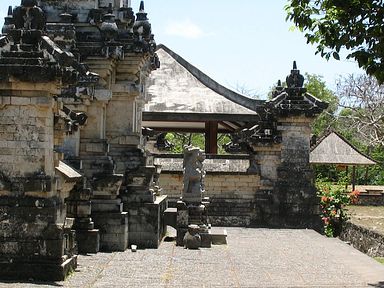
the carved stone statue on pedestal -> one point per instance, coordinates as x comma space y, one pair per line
193, 175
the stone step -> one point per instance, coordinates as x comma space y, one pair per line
22, 54
218, 236
22, 61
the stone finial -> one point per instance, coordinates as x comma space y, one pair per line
65, 16
142, 27
141, 15
295, 79
8, 21
28, 3
10, 11
141, 9
109, 30
110, 8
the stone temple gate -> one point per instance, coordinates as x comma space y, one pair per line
74, 172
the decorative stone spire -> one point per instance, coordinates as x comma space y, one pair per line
8, 21
142, 27
109, 30
295, 82
295, 79
278, 89
141, 8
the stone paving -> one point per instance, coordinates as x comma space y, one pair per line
252, 258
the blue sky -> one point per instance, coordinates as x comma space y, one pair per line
238, 43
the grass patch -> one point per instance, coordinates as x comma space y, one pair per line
380, 259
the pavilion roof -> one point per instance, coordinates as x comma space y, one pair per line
179, 87
335, 149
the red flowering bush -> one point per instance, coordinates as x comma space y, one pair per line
333, 202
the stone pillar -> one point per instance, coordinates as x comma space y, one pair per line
78, 152
280, 143
294, 193
36, 239
123, 130
294, 188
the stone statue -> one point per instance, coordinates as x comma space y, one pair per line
192, 239
193, 174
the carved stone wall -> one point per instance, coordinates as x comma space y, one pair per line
71, 97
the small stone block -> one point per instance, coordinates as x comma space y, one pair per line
206, 240
218, 237
88, 241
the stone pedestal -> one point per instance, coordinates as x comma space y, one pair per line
32, 244
79, 207
146, 226
112, 222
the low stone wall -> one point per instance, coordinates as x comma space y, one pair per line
246, 191
371, 200
216, 185
363, 239
232, 197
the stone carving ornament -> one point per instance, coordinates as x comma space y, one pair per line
28, 16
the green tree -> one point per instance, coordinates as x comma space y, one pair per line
332, 25
179, 140
317, 87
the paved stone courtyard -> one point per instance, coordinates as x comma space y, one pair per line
252, 258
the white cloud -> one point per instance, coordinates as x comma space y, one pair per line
185, 28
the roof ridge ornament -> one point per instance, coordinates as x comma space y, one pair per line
295, 83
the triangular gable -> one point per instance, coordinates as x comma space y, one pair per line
179, 87
334, 149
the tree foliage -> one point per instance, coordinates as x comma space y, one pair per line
332, 25
362, 102
179, 140
356, 111
317, 87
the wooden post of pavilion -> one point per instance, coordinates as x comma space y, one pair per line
211, 130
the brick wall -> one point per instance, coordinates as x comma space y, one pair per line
216, 185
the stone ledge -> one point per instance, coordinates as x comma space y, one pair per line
367, 241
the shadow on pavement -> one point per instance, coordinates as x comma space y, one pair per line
30, 282
378, 285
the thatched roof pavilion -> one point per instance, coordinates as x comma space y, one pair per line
334, 149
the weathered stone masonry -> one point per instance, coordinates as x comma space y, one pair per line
72, 87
